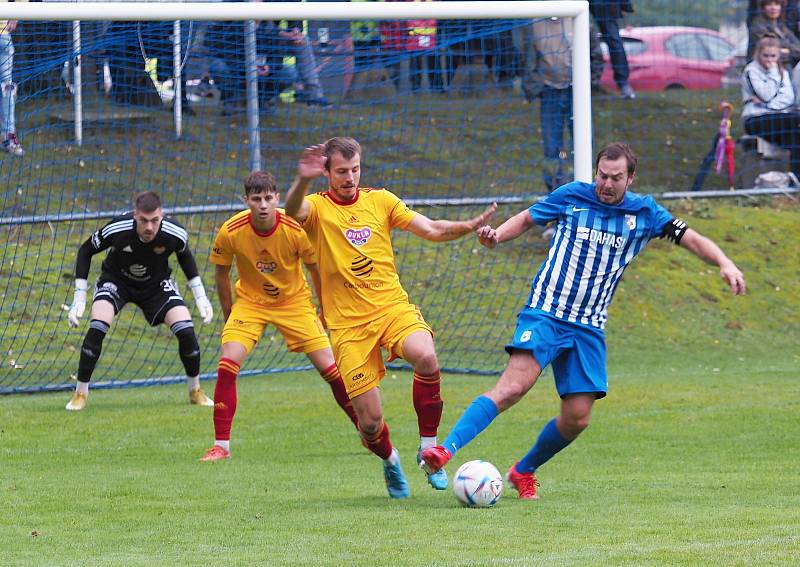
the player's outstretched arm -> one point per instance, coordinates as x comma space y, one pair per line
222, 279
509, 230
310, 166
444, 230
707, 250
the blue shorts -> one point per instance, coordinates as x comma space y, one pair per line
577, 354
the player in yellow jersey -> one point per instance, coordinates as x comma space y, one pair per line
365, 306
268, 248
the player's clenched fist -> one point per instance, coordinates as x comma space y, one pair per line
487, 236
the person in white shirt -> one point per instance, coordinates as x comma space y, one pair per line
768, 97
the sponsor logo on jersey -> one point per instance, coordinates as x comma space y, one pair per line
271, 290
358, 236
96, 240
361, 378
601, 238
361, 266
266, 267
138, 271
363, 285
630, 221
160, 249
127, 248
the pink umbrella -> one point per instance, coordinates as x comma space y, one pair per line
726, 143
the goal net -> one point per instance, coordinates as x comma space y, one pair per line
110, 99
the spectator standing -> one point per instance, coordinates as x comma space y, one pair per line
8, 90
366, 36
421, 40
607, 14
548, 76
771, 20
226, 43
393, 46
158, 44
768, 97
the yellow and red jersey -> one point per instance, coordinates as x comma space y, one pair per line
353, 245
268, 263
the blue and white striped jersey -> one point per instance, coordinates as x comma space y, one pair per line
592, 245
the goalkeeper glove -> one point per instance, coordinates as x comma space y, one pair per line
78, 302
203, 304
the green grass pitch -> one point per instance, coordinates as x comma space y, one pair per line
687, 464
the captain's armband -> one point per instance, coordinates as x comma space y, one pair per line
674, 230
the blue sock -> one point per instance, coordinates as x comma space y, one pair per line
477, 417
549, 443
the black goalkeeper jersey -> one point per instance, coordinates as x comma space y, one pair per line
133, 262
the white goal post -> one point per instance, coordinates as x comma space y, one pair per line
578, 10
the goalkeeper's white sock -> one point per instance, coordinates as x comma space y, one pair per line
193, 382
82, 388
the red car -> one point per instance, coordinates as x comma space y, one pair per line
671, 57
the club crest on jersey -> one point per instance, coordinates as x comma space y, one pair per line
266, 267
160, 249
358, 236
630, 221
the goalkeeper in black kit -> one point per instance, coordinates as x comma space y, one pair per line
136, 270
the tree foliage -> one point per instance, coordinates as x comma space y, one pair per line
707, 14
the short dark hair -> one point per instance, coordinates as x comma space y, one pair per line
146, 201
260, 182
347, 147
763, 3
616, 150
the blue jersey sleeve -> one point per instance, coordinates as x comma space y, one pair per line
661, 217
551, 207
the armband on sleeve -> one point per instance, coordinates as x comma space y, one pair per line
674, 230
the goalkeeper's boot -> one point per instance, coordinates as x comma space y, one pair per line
438, 479
78, 402
197, 397
216, 453
524, 483
396, 482
433, 459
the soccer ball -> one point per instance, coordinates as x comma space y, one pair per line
477, 484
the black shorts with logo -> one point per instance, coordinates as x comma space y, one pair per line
154, 300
